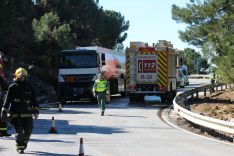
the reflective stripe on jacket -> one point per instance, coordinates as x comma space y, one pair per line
20, 99
21, 115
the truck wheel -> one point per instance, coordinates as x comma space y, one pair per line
169, 98
94, 100
123, 94
174, 94
131, 99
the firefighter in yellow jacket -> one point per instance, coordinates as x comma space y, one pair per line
100, 90
20, 102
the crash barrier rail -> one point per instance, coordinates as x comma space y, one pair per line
45, 106
182, 107
199, 76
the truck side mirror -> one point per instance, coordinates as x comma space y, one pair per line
103, 59
122, 76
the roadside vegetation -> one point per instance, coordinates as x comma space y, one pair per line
33, 31
210, 26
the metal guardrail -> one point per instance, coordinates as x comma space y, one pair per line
199, 76
182, 108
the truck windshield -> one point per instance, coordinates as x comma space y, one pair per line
79, 61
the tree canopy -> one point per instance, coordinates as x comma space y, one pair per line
189, 56
16, 27
210, 26
38, 29
29, 24
89, 23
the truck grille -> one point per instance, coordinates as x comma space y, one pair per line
78, 78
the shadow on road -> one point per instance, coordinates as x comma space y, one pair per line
55, 111
2, 149
129, 116
43, 140
47, 153
42, 126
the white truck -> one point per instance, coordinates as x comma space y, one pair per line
151, 71
80, 67
184, 69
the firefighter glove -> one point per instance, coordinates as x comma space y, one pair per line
36, 115
4, 116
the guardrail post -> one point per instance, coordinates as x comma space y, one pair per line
191, 95
221, 87
197, 94
204, 91
225, 86
211, 89
232, 134
217, 88
185, 103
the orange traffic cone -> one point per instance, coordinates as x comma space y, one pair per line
81, 151
60, 108
52, 129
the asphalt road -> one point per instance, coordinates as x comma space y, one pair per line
125, 130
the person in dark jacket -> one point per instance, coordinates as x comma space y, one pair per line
20, 102
3, 125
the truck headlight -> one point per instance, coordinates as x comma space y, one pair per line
94, 78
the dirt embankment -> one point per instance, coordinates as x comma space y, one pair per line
219, 105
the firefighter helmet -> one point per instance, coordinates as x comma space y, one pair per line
20, 72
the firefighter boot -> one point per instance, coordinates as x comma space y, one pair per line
25, 144
102, 114
20, 151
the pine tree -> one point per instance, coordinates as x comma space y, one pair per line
211, 28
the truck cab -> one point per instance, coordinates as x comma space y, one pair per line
80, 67
77, 72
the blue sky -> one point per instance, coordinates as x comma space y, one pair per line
150, 20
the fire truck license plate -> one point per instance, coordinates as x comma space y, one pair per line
147, 68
